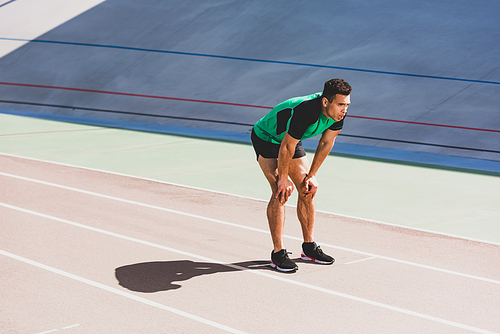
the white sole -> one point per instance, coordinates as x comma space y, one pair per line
273, 265
307, 258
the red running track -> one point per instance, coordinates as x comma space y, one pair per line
94, 252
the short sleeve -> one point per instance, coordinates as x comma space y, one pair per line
302, 118
337, 125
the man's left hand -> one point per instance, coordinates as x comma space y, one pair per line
310, 185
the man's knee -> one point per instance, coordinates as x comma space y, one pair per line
307, 200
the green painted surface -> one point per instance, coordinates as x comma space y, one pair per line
453, 202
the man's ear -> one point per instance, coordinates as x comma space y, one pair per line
324, 101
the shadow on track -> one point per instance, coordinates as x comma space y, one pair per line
152, 277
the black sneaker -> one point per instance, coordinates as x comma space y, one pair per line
312, 252
282, 262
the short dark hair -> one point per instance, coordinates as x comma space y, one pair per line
334, 87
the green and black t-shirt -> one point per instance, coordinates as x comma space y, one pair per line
301, 117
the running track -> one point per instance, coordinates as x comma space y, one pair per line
85, 251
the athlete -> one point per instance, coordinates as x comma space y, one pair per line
277, 140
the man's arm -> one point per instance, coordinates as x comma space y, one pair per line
287, 150
325, 145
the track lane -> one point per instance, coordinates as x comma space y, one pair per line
324, 292
177, 212
97, 214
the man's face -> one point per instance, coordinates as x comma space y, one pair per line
337, 109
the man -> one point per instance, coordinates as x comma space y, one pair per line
277, 142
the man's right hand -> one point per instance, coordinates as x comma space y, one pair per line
285, 189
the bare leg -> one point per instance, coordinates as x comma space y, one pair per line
276, 220
306, 212
275, 209
306, 206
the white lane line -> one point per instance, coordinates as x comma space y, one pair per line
131, 202
365, 259
255, 272
241, 196
251, 228
50, 331
72, 326
55, 330
119, 292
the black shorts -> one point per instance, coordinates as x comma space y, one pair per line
271, 150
